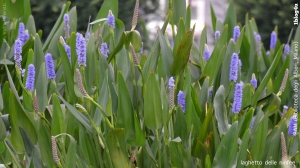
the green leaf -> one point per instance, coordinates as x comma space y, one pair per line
243, 149
259, 140
57, 25
80, 117
166, 52
117, 148
188, 18
39, 57
32, 152
226, 65
152, 107
183, 52
221, 110
179, 8
226, 153
71, 154
41, 88
57, 125
135, 39
230, 19
31, 25
12, 85
44, 138
246, 123
12, 152
177, 153
27, 11
19, 118
68, 73
125, 118
1, 101
207, 162
213, 18
103, 12
139, 138
216, 57
15, 9
267, 77
2, 130
151, 62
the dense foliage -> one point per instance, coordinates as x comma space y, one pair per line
98, 100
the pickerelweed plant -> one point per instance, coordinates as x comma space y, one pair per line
97, 99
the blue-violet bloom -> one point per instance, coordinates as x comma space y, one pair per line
181, 100
81, 49
293, 126
234, 64
236, 33
17, 53
253, 81
273, 40
217, 34
30, 77
111, 19
237, 100
50, 66
104, 50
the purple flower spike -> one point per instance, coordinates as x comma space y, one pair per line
181, 100
217, 34
81, 49
68, 51
253, 81
30, 78
171, 83
258, 46
236, 33
287, 49
21, 30
67, 26
293, 126
23, 34
17, 53
273, 40
234, 64
252, 123
104, 50
210, 92
50, 66
111, 19
268, 53
237, 100
206, 53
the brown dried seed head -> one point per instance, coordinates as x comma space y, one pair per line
283, 148
35, 103
135, 58
283, 84
135, 14
54, 150
80, 85
171, 98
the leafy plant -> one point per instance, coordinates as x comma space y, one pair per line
99, 100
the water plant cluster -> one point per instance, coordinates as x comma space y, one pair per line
99, 99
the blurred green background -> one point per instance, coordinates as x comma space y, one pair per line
268, 14
85, 9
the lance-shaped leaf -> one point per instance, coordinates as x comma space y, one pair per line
221, 110
32, 152
125, 110
267, 77
183, 52
153, 107
227, 150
